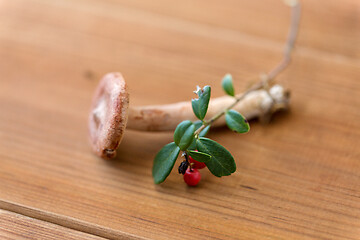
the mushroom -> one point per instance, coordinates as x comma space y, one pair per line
110, 113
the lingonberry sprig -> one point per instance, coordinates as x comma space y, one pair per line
189, 137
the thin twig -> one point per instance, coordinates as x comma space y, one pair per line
290, 43
268, 78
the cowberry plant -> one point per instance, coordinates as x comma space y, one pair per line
189, 137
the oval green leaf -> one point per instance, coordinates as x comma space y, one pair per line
164, 162
227, 85
221, 162
184, 134
199, 156
236, 122
200, 104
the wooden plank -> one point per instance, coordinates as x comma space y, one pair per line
19, 227
297, 177
250, 20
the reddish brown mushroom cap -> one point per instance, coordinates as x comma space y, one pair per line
109, 114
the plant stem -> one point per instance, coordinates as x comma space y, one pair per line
267, 79
290, 43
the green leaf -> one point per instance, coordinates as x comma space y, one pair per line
200, 104
184, 134
236, 122
198, 124
221, 162
203, 133
192, 145
227, 84
164, 162
199, 156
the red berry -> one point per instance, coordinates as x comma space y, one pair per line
196, 164
192, 177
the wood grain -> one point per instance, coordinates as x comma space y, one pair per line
18, 227
297, 178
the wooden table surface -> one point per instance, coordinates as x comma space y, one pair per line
298, 177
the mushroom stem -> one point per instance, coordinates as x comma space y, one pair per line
257, 103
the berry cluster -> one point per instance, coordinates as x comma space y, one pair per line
189, 168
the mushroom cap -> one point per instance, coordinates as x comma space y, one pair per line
108, 115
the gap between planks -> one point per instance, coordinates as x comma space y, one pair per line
65, 221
